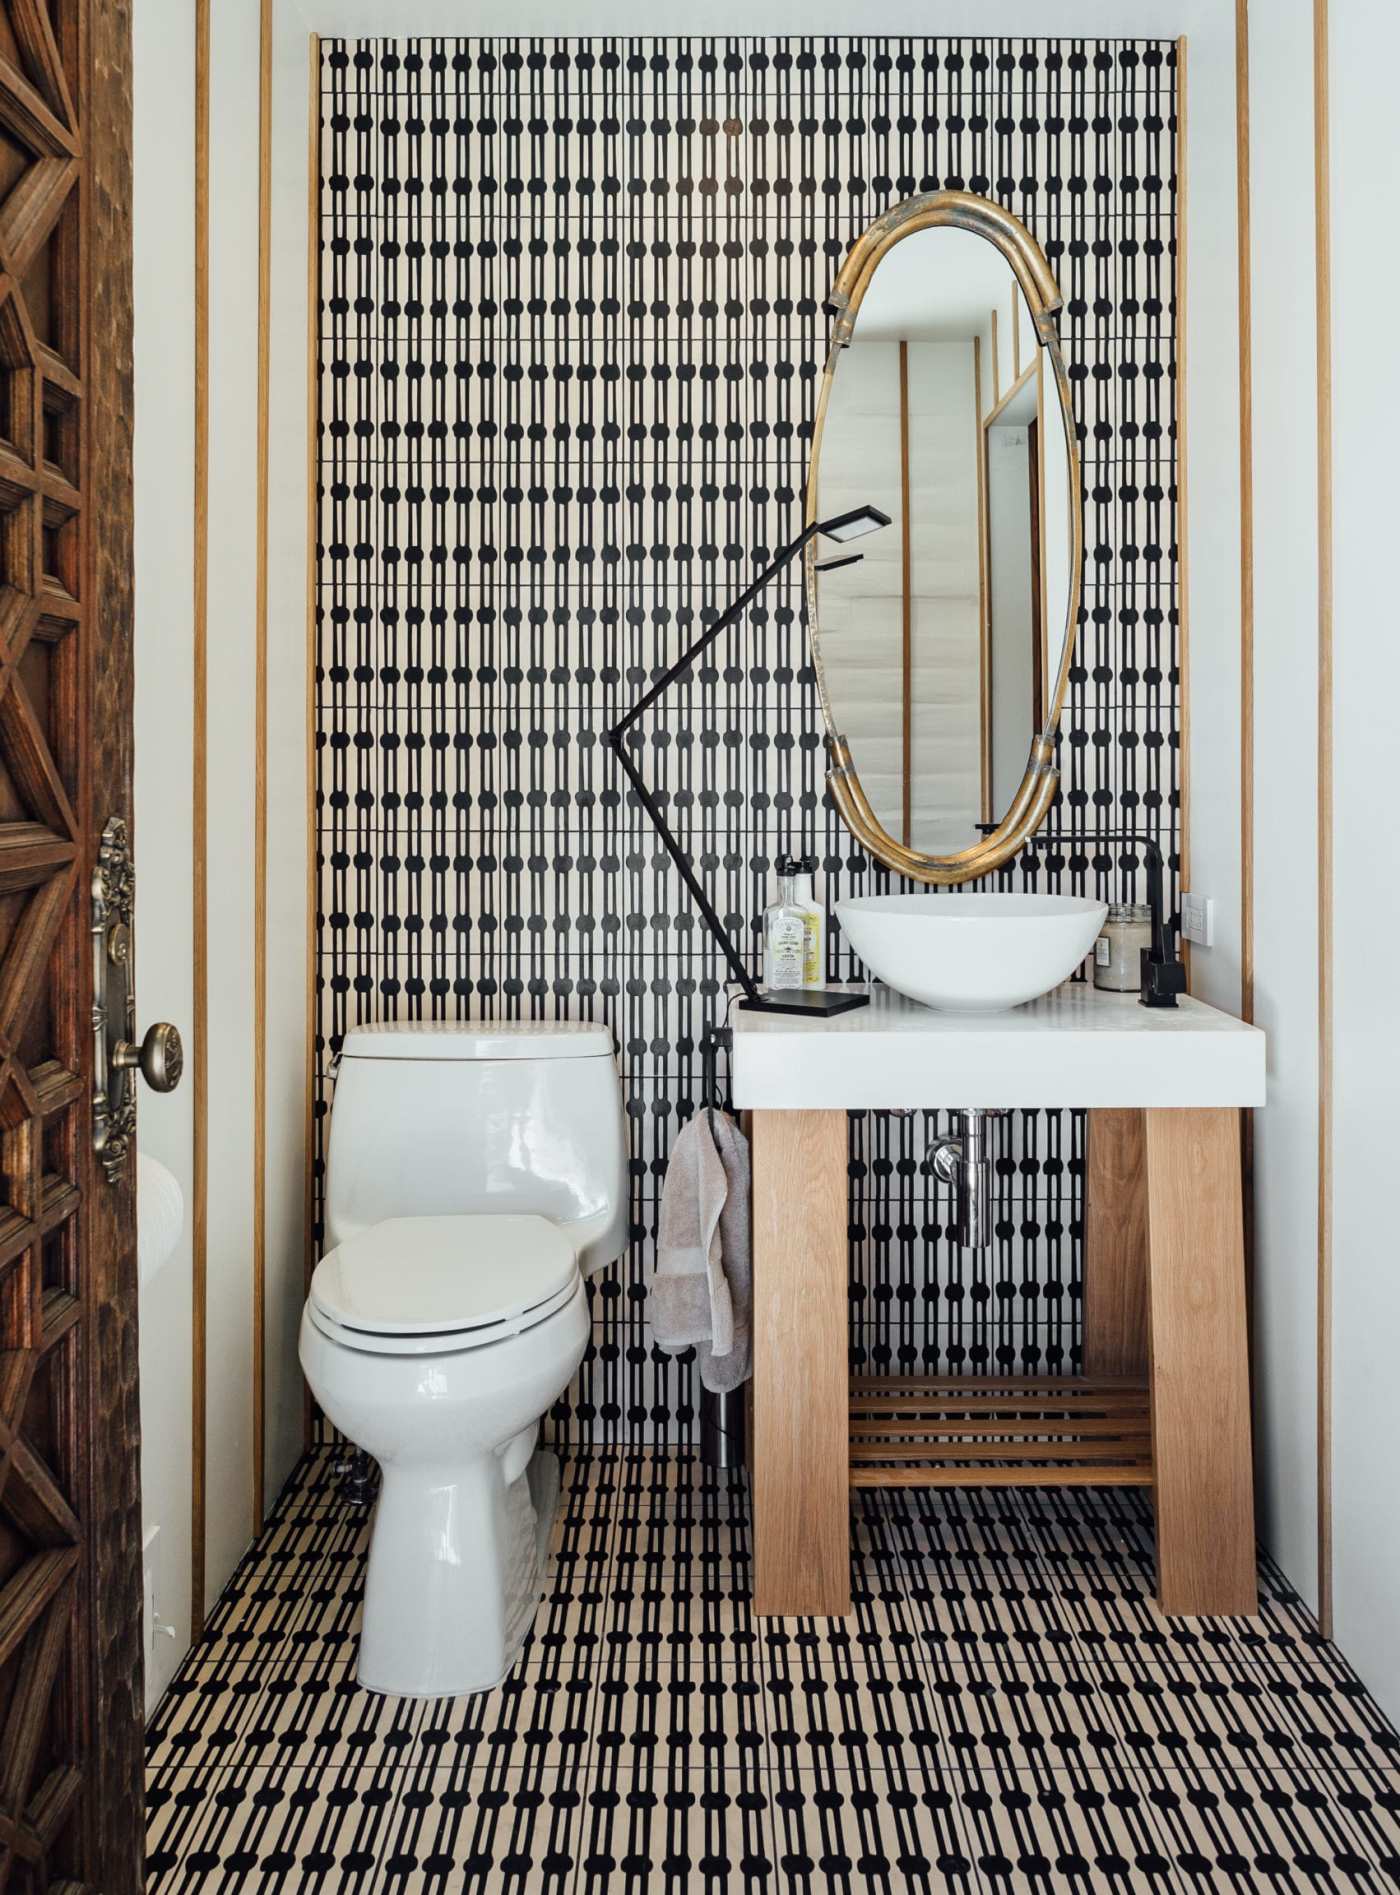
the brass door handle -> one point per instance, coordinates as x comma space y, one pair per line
160, 1058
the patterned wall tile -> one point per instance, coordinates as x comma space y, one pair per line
571, 343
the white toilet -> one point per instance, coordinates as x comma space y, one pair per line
476, 1175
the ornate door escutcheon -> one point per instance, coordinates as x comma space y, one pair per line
117, 1057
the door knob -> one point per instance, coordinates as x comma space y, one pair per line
160, 1058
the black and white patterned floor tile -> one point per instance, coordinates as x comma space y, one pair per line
1004, 1710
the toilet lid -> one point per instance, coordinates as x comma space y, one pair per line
434, 1275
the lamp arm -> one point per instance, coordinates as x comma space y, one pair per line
708, 637
617, 744
682, 862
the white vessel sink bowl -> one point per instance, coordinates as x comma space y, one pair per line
971, 953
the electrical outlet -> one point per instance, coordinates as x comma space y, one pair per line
1198, 919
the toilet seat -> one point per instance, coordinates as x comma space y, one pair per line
422, 1285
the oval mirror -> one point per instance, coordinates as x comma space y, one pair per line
942, 641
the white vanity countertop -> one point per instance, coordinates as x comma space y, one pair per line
1074, 1047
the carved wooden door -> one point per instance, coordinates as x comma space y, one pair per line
70, 1563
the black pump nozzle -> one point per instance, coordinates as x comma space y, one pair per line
1163, 976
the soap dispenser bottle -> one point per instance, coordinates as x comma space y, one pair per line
784, 933
814, 947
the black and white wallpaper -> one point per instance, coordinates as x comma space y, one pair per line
572, 333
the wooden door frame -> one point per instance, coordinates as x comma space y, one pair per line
116, 1813
71, 1723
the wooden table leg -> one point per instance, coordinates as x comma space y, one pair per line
1200, 1364
801, 1448
1115, 1244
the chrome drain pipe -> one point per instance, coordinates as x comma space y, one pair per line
965, 1162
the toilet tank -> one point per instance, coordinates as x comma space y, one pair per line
452, 1119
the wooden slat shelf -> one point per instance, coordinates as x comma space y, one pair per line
978, 1431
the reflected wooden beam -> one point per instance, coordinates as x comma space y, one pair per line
984, 617
906, 588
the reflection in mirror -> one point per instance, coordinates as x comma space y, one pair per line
939, 648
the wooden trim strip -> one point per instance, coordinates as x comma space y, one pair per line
1132, 1425
1246, 370
260, 773
1019, 1474
1243, 235
1183, 511
313, 416
910, 1414
906, 592
1323, 237
1130, 1447
1070, 1386
199, 1211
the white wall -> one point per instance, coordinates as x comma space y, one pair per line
1365, 153
1365, 909
233, 341
233, 365
163, 78
1210, 481
1285, 782
1285, 677
289, 922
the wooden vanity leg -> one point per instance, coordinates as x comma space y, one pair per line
1115, 1244
801, 1428
1200, 1364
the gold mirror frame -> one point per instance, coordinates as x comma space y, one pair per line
962, 211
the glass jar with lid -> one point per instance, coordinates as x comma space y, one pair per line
1118, 950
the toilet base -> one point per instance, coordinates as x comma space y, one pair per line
455, 1572
543, 1476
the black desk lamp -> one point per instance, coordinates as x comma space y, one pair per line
811, 1001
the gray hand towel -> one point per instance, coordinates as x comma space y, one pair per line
701, 1293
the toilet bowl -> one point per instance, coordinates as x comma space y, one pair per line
475, 1177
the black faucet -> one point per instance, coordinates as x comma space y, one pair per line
1163, 976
